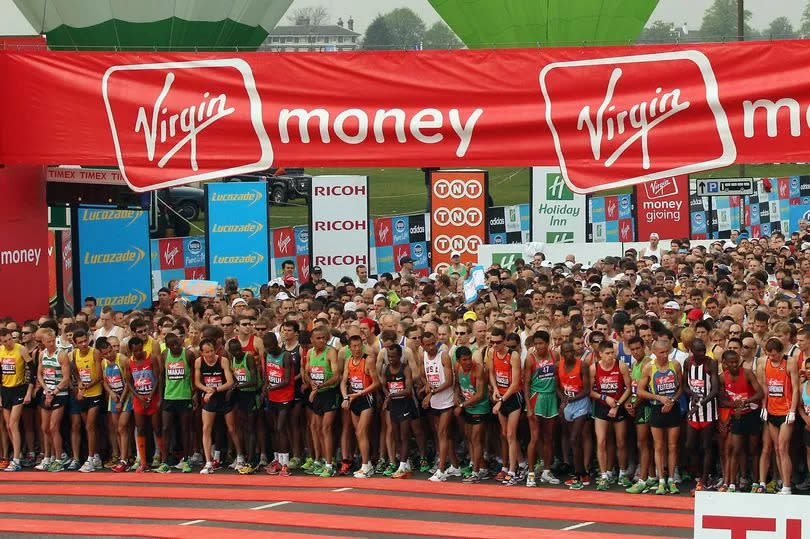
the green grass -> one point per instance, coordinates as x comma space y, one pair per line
401, 191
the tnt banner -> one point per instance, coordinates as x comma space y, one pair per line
339, 225
559, 214
458, 214
237, 234
114, 257
611, 218
663, 207
176, 259
290, 244
723, 515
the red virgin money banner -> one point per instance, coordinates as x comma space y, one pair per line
663, 207
608, 116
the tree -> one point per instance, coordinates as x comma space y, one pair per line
720, 21
439, 36
407, 28
316, 15
804, 30
780, 28
378, 35
658, 32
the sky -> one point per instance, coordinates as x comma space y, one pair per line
364, 11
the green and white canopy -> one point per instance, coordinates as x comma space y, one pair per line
153, 24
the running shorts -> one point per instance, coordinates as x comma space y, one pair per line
576, 409
545, 404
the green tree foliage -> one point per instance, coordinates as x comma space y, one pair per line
406, 27
780, 28
720, 21
804, 29
658, 32
439, 36
378, 35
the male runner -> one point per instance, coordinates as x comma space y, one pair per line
575, 404
87, 401
323, 374
701, 386
119, 404
504, 378
178, 367
17, 390
213, 377
54, 378
279, 386
639, 409
540, 391
474, 406
439, 400
360, 381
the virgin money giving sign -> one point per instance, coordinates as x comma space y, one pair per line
339, 225
457, 214
237, 234
608, 116
663, 207
558, 215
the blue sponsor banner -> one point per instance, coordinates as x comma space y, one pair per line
301, 234
401, 226
597, 209
238, 243
385, 259
698, 222
194, 251
419, 254
114, 257
497, 238
525, 218
612, 231
625, 206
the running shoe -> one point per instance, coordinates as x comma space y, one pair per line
273, 468
28, 461
673, 488
196, 460
757, 488
438, 477
732, 488
785, 491
4, 463
294, 464
771, 487
317, 468
73, 465
500, 476
390, 470
402, 473
143, 469
637, 488
121, 467
483, 473
186, 467
381, 467
804, 485
262, 461
546, 477
56, 466
452, 471
721, 488
662, 488
346, 468
163, 468
466, 470
112, 461
308, 464
602, 483
363, 473
571, 481
155, 461
97, 464
530, 480
327, 471
625, 482
135, 465
576, 485
512, 480
179, 465
13, 466
87, 467
216, 465
43, 465
207, 469
586, 480
285, 471
424, 465
474, 477
698, 487
246, 469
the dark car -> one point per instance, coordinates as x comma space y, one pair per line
283, 184
187, 201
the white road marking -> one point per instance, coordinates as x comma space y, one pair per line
344, 489
190, 522
268, 506
575, 526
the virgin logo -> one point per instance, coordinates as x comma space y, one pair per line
665, 187
635, 110
283, 244
166, 120
382, 233
782, 190
170, 254
611, 209
625, 232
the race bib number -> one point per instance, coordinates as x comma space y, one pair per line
634, 387
49, 375
666, 385
356, 383
143, 385
807, 409
609, 384
776, 388
275, 373
316, 374
212, 381
698, 387
545, 370
85, 375
396, 386
9, 366
115, 382
176, 370
434, 380
501, 379
240, 375
570, 390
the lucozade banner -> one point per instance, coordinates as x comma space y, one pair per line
608, 116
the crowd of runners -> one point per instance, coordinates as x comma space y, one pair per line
642, 371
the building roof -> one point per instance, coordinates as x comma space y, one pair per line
309, 30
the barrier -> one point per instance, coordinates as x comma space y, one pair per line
720, 515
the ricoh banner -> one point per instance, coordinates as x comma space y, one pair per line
237, 233
339, 225
609, 117
558, 214
458, 211
114, 257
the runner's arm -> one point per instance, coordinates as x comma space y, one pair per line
628, 387
715, 380
337, 371
480, 387
752, 379
229, 380
250, 363
793, 372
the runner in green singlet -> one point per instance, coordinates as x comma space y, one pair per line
639, 410
473, 406
245, 399
177, 396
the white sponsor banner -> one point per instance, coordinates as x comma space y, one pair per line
339, 225
558, 214
585, 253
723, 515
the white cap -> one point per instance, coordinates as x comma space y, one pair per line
378, 296
655, 267
672, 305
433, 276
546, 264
281, 296
729, 245
237, 301
350, 306
654, 236
455, 254
321, 294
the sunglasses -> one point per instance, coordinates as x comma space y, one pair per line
493, 341
260, 328
461, 332
246, 325
27, 332
227, 325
